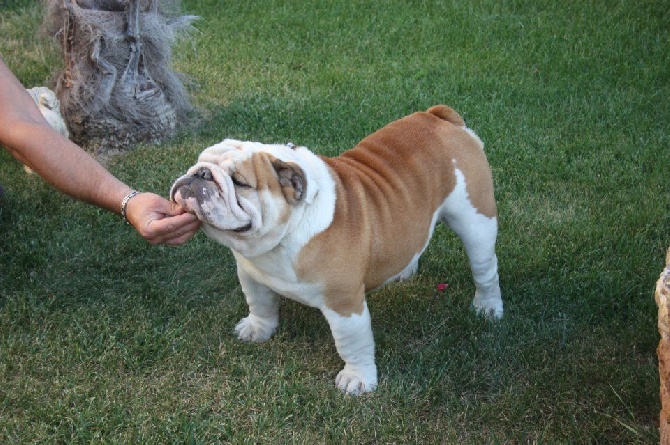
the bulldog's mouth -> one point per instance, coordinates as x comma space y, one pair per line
242, 229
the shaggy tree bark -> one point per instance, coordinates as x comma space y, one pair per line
117, 87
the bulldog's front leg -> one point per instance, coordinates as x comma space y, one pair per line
356, 346
263, 318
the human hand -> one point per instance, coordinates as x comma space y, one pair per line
160, 221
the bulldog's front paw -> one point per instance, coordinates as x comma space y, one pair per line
491, 307
354, 380
255, 329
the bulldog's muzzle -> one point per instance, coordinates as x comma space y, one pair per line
199, 185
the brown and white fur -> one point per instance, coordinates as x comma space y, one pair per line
324, 231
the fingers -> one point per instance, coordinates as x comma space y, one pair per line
175, 209
180, 235
172, 230
147, 203
160, 221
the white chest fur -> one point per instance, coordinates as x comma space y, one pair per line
275, 270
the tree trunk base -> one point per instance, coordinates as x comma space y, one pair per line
117, 88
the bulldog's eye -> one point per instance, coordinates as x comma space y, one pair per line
239, 182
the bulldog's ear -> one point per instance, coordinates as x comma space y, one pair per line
292, 180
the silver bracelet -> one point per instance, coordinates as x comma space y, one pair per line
124, 204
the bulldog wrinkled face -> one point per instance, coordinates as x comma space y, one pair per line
243, 191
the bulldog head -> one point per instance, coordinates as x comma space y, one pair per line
247, 194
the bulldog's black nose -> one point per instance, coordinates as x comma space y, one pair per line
204, 173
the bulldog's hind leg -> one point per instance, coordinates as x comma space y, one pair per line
356, 346
478, 233
484, 266
263, 318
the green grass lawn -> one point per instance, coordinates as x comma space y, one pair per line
105, 339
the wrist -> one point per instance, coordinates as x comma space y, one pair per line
124, 204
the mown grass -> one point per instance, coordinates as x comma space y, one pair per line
104, 339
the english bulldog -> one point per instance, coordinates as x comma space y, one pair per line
325, 231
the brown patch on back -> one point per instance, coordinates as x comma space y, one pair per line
388, 189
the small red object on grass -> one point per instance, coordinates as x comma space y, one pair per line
442, 286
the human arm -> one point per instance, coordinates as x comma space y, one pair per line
60, 162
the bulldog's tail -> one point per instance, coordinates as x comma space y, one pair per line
448, 114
